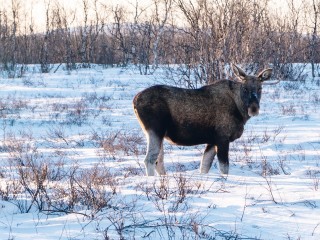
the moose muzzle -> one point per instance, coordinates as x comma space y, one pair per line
254, 107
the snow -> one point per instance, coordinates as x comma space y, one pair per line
271, 192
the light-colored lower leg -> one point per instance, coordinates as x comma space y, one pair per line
223, 157
224, 168
207, 159
160, 164
153, 150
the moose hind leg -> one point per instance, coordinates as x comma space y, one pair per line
160, 164
207, 159
223, 157
153, 151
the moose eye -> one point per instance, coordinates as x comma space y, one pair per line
245, 90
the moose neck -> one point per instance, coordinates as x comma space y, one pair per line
240, 104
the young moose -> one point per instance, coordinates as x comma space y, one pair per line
214, 115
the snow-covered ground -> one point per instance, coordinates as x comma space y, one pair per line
73, 129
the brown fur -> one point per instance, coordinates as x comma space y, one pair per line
213, 115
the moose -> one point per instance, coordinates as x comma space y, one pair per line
214, 115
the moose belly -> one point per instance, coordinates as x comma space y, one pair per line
189, 136
195, 135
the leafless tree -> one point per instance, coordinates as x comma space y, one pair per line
314, 39
83, 47
118, 31
44, 52
10, 38
162, 9
201, 36
66, 20
96, 27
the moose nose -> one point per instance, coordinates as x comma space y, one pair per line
253, 110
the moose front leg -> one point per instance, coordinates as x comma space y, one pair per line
207, 158
223, 157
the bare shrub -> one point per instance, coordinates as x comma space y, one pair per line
315, 98
292, 72
94, 99
133, 171
270, 188
11, 190
314, 175
250, 143
125, 218
291, 85
78, 113
31, 168
11, 105
170, 195
288, 109
115, 143
282, 163
57, 137
59, 107
172, 192
31, 173
276, 94
245, 145
276, 132
95, 186
267, 169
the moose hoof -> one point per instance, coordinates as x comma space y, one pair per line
204, 170
161, 171
160, 168
150, 168
224, 168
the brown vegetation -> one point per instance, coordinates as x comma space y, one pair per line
201, 36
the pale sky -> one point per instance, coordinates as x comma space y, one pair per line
38, 7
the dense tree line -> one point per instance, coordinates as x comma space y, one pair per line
200, 36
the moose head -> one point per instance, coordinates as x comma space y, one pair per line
251, 88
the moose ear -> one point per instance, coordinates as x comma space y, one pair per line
265, 74
240, 74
